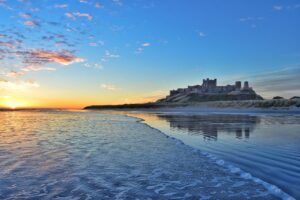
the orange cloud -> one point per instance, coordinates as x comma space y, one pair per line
63, 57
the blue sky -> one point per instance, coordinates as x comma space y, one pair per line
118, 51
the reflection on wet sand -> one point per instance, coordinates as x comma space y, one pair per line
210, 125
270, 153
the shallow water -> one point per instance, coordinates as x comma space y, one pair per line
266, 146
82, 155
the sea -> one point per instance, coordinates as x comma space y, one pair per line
141, 155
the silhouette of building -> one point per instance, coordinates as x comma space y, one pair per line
209, 86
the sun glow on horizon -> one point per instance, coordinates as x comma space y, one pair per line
13, 103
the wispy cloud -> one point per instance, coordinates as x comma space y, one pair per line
40, 57
286, 7
18, 85
11, 73
98, 5
25, 15
108, 54
61, 5
108, 87
144, 45
62, 57
253, 21
118, 2
36, 68
9, 44
95, 44
245, 19
3, 3
79, 14
202, 34
14, 74
277, 7
31, 23
83, 1
98, 66
283, 82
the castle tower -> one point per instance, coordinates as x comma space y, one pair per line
246, 85
238, 85
209, 82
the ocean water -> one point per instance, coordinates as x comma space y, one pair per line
86, 155
266, 146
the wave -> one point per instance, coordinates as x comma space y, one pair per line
271, 188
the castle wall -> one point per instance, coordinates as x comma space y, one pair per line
209, 86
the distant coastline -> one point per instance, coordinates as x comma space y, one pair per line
274, 105
210, 96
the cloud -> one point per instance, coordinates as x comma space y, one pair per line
277, 7
201, 34
117, 2
108, 87
39, 57
139, 50
146, 44
37, 68
63, 57
14, 74
142, 47
31, 23
9, 44
79, 14
61, 5
252, 20
288, 7
98, 5
69, 15
245, 19
284, 82
98, 66
11, 74
93, 44
3, 3
25, 15
83, 1
18, 85
110, 55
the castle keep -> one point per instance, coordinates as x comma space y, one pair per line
209, 87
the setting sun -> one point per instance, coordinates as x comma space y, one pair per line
13, 103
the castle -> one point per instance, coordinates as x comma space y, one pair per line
209, 87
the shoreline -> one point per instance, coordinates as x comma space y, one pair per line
272, 189
199, 110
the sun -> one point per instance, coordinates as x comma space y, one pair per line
13, 104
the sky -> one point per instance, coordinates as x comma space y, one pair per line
74, 53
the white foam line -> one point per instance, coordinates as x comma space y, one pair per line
272, 189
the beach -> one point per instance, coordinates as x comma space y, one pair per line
84, 155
